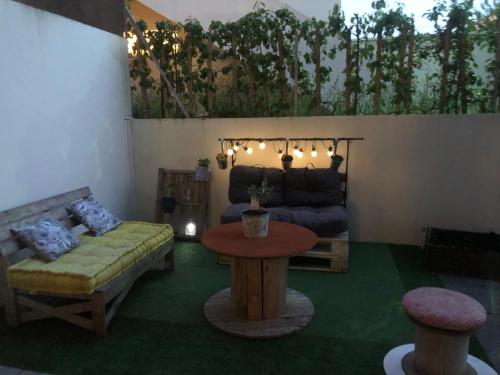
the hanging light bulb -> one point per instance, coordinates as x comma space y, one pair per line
314, 153
296, 151
280, 154
300, 154
236, 146
330, 151
248, 150
262, 144
230, 152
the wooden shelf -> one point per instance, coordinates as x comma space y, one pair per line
191, 198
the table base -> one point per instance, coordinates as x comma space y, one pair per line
299, 312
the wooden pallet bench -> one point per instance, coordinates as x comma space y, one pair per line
93, 311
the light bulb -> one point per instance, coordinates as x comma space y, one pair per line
330, 151
296, 151
314, 153
280, 154
190, 229
262, 145
236, 147
230, 152
300, 154
249, 150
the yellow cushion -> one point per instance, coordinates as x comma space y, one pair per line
91, 265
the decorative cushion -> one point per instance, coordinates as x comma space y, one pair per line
324, 221
275, 180
94, 216
241, 178
48, 237
444, 309
94, 263
320, 187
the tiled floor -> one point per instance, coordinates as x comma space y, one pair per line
487, 292
17, 371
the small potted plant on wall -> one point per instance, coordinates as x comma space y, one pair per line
168, 199
336, 162
256, 220
222, 160
201, 173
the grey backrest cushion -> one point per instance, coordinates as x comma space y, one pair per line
242, 177
48, 237
320, 187
94, 216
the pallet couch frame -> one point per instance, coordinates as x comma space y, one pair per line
97, 308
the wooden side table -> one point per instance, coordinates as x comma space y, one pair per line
259, 304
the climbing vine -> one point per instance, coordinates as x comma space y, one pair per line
269, 63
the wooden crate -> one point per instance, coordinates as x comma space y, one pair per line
191, 198
330, 255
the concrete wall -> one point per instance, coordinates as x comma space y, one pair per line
64, 97
410, 172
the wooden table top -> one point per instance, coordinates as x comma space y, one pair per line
284, 240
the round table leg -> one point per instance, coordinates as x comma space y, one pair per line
258, 287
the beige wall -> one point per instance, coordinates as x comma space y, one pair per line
410, 172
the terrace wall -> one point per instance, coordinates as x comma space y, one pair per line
410, 172
64, 97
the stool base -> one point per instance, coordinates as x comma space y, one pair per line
393, 362
409, 367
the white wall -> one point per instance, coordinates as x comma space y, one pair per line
410, 172
64, 97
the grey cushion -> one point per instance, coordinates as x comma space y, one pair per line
320, 187
94, 216
324, 221
48, 237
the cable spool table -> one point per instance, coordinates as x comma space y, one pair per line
259, 304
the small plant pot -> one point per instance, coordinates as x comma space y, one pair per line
201, 174
168, 204
286, 161
255, 223
336, 162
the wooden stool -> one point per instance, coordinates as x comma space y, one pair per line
444, 320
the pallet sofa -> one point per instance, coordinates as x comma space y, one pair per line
313, 198
86, 285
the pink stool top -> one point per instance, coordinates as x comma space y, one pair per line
444, 309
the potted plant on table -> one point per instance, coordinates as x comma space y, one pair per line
168, 199
201, 173
256, 220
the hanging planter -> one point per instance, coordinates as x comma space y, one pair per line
168, 200
222, 160
286, 161
336, 161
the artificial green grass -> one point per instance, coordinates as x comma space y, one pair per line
161, 329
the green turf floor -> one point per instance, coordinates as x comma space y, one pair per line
160, 328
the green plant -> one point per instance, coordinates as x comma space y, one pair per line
204, 163
262, 194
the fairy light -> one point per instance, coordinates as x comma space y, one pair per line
280, 154
248, 150
262, 144
300, 154
230, 152
330, 151
296, 151
236, 146
314, 153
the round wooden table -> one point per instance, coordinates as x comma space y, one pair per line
259, 304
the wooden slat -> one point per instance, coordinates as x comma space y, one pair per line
274, 287
254, 288
58, 312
